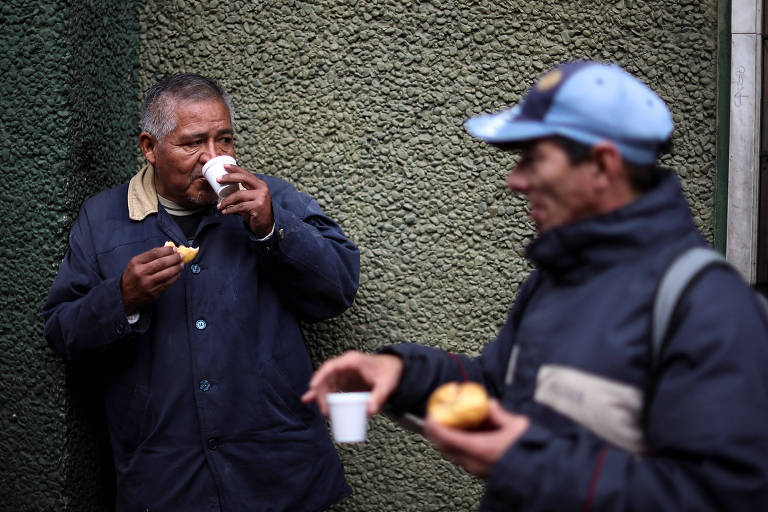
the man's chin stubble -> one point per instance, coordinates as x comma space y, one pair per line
201, 200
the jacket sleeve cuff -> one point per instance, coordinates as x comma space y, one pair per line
123, 326
142, 325
424, 368
269, 246
114, 323
269, 235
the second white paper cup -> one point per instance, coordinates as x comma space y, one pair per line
214, 168
349, 419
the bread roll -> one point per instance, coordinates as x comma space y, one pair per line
458, 404
188, 253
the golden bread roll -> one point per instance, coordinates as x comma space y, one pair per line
188, 253
458, 404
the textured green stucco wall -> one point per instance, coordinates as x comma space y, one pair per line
34, 152
359, 103
69, 118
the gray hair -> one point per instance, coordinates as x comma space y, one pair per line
157, 111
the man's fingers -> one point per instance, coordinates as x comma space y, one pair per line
342, 373
378, 397
318, 393
243, 205
315, 395
172, 261
153, 261
474, 451
150, 286
236, 169
497, 415
445, 438
326, 371
154, 254
158, 270
148, 274
255, 188
243, 201
356, 371
322, 383
167, 277
236, 174
249, 181
254, 204
478, 451
499, 418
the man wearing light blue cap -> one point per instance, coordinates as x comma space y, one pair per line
586, 109
588, 102
584, 416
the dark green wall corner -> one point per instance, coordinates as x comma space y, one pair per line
68, 96
723, 121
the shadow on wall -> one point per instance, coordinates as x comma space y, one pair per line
103, 97
103, 102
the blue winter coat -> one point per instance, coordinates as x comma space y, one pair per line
574, 357
202, 394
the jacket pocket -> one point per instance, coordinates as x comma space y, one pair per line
284, 397
125, 405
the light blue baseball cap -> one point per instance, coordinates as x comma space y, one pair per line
586, 101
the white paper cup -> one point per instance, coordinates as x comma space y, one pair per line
349, 420
214, 168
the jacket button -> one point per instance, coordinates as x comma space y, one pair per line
213, 443
195, 268
281, 233
200, 324
205, 385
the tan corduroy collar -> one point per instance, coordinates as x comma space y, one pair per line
142, 195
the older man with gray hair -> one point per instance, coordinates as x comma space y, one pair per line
204, 361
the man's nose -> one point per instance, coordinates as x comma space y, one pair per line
518, 181
208, 151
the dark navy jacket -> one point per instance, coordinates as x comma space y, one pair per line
202, 394
579, 335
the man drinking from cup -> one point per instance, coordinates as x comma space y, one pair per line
204, 362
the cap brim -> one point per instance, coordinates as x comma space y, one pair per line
499, 128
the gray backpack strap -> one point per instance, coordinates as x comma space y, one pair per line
676, 279
763, 300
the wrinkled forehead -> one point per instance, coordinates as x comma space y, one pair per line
183, 112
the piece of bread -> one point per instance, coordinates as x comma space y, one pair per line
458, 404
188, 253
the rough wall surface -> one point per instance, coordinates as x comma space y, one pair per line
34, 130
361, 104
101, 148
69, 119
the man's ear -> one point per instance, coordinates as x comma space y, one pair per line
607, 157
613, 179
148, 144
